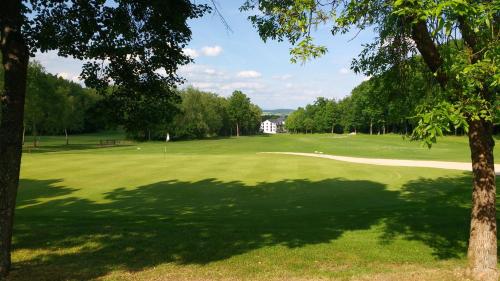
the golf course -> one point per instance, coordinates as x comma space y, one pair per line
218, 209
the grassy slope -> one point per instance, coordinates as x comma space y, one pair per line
215, 209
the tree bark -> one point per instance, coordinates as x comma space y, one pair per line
237, 130
15, 63
371, 127
482, 252
66, 134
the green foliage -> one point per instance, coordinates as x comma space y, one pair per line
305, 50
459, 42
434, 121
244, 115
383, 103
126, 41
54, 105
132, 50
293, 22
295, 121
200, 115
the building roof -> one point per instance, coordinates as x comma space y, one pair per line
278, 121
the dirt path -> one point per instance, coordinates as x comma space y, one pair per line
463, 166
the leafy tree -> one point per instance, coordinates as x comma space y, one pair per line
37, 102
223, 105
350, 119
308, 124
253, 123
295, 121
333, 114
201, 114
459, 43
239, 109
129, 42
322, 117
369, 106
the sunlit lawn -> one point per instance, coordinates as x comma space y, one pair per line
216, 209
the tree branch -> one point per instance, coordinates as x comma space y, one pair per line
421, 35
470, 38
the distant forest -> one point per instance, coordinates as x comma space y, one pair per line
389, 103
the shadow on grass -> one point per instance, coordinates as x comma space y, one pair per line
209, 220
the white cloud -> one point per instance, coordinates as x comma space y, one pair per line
242, 86
204, 85
344, 71
199, 72
282, 77
211, 51
191, 52
63, 75
267, 91
208, 51
210, 71
68, 76
249, 74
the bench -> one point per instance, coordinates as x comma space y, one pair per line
109, 142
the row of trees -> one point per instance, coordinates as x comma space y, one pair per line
385, 103
57, 106
202, 114
192, 114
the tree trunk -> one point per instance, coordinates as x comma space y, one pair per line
24, 133
66, 134
35, 136
15, 63
371, 127
237, 130
482, 252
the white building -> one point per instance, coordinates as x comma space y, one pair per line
273, 126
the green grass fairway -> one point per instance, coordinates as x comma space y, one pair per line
217, 210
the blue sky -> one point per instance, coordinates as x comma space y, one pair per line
239, 60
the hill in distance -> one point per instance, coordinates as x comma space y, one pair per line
281, 111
